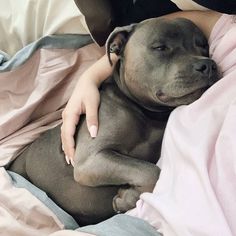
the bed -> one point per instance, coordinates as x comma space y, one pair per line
39, 67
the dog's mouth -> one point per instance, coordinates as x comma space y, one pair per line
184, 98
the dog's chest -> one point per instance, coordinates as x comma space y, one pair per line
150, 148
130, 130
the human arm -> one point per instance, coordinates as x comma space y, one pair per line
205, 20
84, 99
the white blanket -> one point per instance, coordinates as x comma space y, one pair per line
24, 21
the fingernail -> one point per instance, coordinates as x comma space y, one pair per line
67, 160
62, 148
72, 162
93, 131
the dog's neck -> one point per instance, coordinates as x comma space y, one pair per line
160, 113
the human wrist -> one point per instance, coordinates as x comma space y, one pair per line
98, 81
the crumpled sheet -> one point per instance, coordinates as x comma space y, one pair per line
32, 96
24, 21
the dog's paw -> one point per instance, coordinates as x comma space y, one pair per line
125, 199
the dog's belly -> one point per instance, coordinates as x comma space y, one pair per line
46, 168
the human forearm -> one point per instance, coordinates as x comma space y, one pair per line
100, 70
205, 20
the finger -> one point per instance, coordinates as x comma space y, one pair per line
68, 146
67, 134
67, 160
92, 118
68, 142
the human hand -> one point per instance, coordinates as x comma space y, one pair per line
84, 100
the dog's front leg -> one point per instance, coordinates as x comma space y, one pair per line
109, 167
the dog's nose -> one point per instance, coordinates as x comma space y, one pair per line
205, 66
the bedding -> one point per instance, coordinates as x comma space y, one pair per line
25, 21
35, 84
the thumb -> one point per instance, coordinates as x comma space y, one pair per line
92, 119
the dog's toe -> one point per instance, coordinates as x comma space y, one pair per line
125, 199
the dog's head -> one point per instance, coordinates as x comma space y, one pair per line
162, 62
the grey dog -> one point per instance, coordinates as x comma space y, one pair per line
163, 64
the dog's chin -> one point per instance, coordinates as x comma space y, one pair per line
185, 99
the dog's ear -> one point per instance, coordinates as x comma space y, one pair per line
117, 40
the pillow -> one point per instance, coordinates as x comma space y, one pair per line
24, 21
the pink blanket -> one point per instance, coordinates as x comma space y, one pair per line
196, 192
34, 94
32, 98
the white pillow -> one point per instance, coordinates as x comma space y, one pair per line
24, 21
188, 5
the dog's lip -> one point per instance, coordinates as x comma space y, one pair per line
166, 98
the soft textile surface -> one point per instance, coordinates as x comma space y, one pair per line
130, 226
195, 194
188, 5
20, 182
24, 21
21, 213
32, 95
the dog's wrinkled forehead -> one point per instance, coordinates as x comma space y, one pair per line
163, 30
158, 33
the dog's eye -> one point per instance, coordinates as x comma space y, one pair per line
202, 44
159, 47
204, 47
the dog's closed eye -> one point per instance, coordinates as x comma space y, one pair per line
159, 47
202, 44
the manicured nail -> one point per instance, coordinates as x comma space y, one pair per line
62, 148
72, 162
67, 160
93, 131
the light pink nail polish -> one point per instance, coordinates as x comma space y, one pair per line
67, 160
93, 131
72, 162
